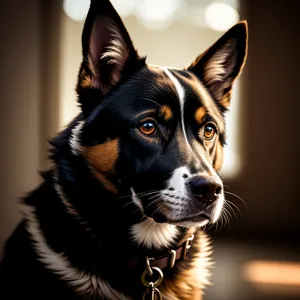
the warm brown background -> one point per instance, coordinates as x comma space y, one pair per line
268, 183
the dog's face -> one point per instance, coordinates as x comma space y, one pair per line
156, 133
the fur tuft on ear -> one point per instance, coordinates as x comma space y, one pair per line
221, 64
108, 53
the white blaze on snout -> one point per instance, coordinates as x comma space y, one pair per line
181, 93
178, 179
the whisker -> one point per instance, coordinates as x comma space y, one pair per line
226, 218
230, 213
207, 227
227, 206
231, 203
232, 206
215, 226
159, 207
235, 195
137, 209
153, 196
143, 194
147, 193
128, 203
223, 221
138, 194
152, 202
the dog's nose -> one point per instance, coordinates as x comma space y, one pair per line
206, 189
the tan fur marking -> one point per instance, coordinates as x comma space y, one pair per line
106, 183
219, 157
188, 284
166, 112
86, 82
102, 159
199, 115
225, 101
208, 103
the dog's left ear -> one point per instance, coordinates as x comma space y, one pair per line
108, 54
221, 64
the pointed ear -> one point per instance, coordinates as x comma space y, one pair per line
222, 63
108, 53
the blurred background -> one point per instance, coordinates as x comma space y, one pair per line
258, 254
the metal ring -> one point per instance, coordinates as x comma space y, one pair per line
155, 283
148, 266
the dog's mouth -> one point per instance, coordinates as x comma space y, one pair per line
194, 218
187, 215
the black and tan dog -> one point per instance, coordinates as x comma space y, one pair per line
134, 177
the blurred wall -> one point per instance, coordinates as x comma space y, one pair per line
28, 99
269, 180
19, 106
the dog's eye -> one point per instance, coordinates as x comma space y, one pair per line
148, 128
209, 131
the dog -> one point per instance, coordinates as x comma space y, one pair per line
134, 177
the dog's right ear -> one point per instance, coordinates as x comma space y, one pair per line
108, 54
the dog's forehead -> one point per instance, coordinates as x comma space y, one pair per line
162, 85
185, 91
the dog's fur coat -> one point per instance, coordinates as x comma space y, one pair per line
134, 175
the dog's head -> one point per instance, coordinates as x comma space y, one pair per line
157, 133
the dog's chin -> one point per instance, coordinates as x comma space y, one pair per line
191, 224
191, 220
159, 218
184, 221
